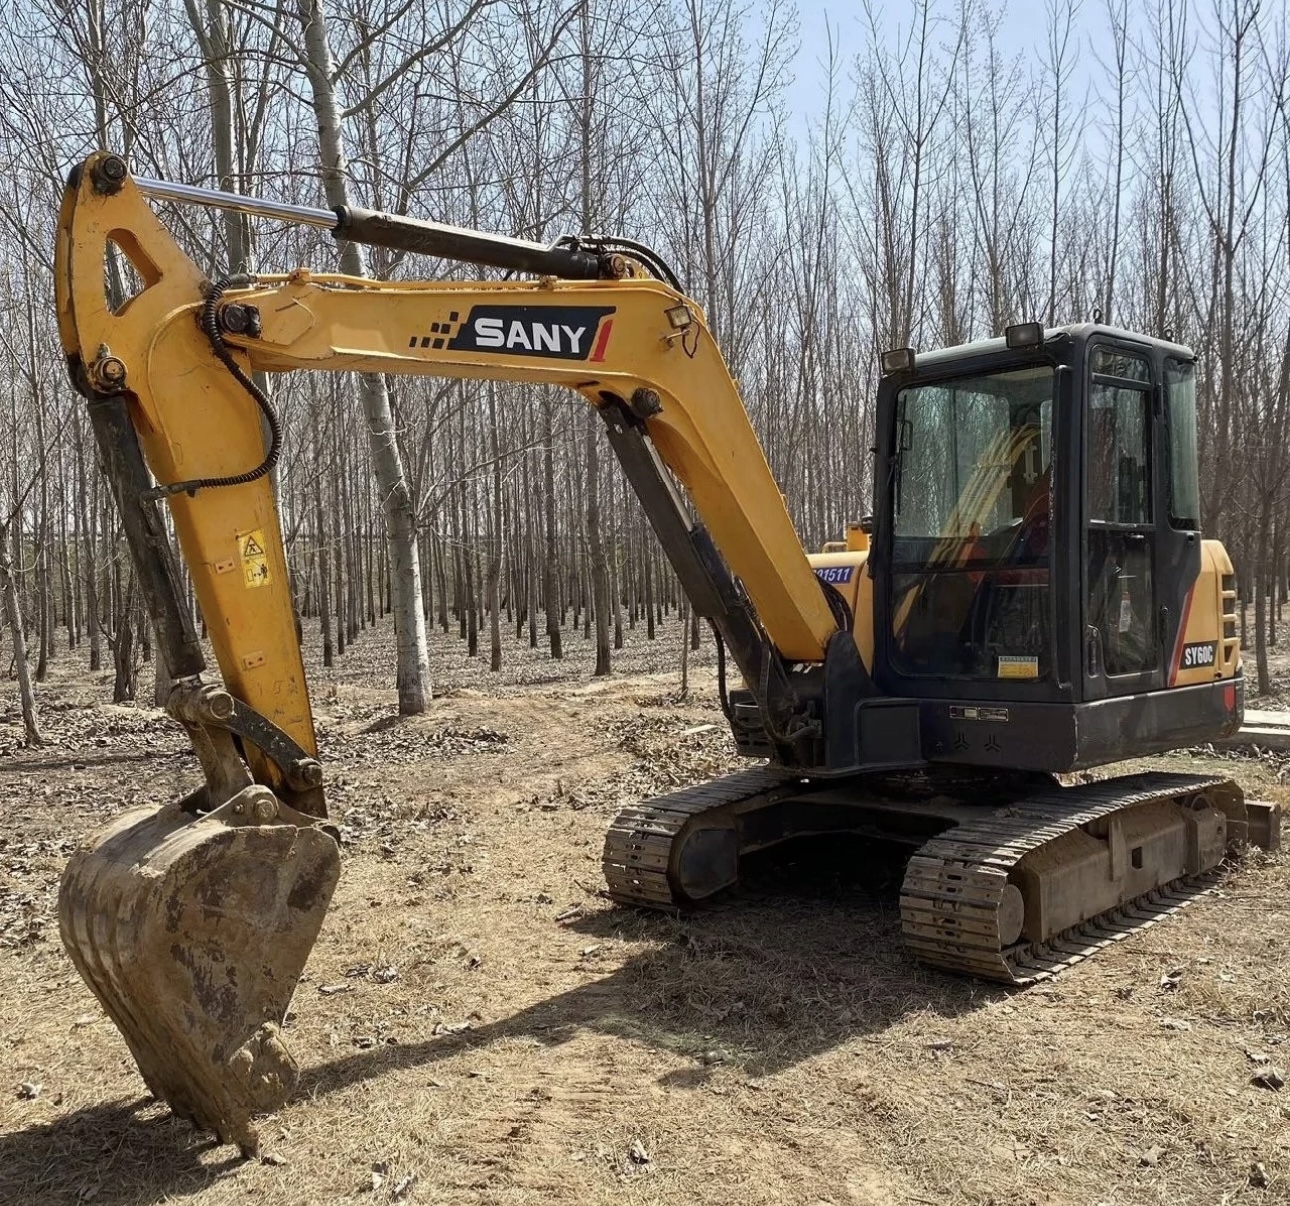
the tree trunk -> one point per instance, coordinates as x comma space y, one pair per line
87, 567
336, 554
550, 573
1262, 584
13, 615
495, 529
596, 543
685, 650
123, 687
649, 595
413, 667
322, 539
44, 620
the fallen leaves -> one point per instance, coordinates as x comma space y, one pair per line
387, 740
28, 900
451, 1027
379, 973
1269, 1078
381, 1172
669, 753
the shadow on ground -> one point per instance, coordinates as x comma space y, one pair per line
125, 1153
806, 957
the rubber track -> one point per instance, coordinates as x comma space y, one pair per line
954, 884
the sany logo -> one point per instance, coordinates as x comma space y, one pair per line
530, 337
551, 332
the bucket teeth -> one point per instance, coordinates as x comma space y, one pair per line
193, 934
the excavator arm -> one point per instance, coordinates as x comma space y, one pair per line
222, 894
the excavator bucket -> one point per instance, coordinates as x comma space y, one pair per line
192, 932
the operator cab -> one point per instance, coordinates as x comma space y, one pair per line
1037, 555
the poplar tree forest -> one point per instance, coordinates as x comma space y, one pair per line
969, 168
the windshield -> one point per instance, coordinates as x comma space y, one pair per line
972, 502
975, 455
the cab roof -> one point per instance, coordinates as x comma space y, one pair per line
1085, 331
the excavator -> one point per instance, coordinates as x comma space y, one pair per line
1032, 598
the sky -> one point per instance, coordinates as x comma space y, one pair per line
1023, 29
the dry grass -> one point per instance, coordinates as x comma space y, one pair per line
538, 1045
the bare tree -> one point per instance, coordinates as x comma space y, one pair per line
387, 462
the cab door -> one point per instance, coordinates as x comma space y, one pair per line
1123, 654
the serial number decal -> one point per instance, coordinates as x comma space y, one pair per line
967, 712
835, 575
551, 332
1200, 654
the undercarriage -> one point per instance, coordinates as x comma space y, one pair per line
1009, 878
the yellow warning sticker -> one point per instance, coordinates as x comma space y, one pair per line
255, 559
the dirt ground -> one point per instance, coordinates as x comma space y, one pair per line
495, 1031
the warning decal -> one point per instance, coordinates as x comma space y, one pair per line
255, 560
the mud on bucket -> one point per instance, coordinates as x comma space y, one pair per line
192, 931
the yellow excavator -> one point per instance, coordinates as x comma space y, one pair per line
1031, 598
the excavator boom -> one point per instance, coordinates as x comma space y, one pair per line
192, 922
635, 349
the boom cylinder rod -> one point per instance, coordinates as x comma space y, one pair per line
302, 215
395, 231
